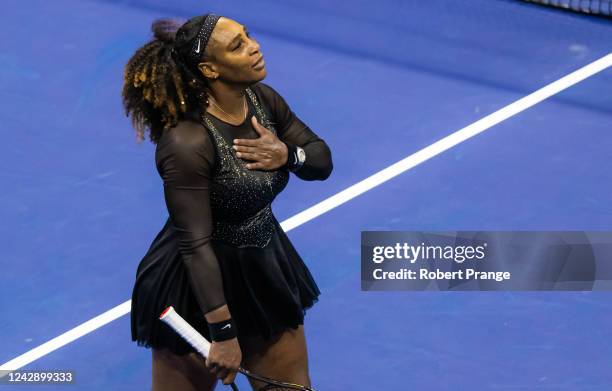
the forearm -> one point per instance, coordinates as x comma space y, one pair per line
318, 164
218, 315
204, 274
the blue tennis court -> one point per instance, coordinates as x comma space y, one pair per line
378, 81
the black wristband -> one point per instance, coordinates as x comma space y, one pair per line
223, 330
291, 156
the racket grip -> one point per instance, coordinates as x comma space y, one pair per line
191, 335
185, 330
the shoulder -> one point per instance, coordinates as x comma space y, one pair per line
276, 104
187, 134
268, 93
187, 141
262, 87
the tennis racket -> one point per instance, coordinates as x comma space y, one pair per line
201, 344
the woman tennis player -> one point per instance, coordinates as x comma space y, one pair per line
226, 144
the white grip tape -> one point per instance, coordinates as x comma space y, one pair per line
185, 330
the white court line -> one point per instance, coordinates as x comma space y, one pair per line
67, 337
347, 194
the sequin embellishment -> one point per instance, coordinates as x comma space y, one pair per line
241, 198
203, 36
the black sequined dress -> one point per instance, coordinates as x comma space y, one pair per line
221, 243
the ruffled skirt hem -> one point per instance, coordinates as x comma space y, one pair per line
268, 290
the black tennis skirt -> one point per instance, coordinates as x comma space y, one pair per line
267, 290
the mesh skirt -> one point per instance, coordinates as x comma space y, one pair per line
267, 290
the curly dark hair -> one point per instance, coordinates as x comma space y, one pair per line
160, 84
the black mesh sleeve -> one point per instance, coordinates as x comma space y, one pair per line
185, 159
292, 131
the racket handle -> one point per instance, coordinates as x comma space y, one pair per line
185, 330
191, 335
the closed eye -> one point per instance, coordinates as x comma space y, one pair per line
240, 43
